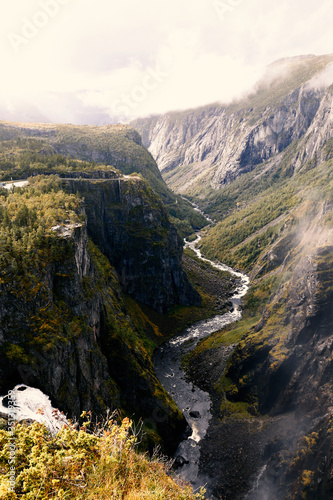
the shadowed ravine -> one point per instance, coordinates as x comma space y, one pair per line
192, 401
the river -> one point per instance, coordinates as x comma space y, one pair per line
192, 401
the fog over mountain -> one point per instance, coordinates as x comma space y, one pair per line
81, 64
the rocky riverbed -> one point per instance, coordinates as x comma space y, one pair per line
194, 402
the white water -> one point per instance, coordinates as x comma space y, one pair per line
187, 396
28, 403
222, 267
197, 209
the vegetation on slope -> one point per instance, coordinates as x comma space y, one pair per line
266, 234
212, 145
37, 272
46, 309
44, 312
277, 225
28, 246
28, 215
29, 149
102, 463
281, 78
258, 208
214, 287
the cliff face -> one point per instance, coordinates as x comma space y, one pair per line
273, 399
270, 375
214, 145
130, 226
62, 371
116, 145
293, 338
65, 324
263, 168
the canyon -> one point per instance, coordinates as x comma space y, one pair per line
108, 280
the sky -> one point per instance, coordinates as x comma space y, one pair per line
96, 61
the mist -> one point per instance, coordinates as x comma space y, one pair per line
76, 62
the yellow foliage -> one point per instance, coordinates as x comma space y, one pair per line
99, 465
306, 446
306, 477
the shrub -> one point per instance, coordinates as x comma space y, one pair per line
79, 463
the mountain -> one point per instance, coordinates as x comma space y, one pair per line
81, 313
34, 145
277, 386
262, 168
88, 255
130, 226
206, 148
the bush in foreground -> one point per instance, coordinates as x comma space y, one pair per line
79, 464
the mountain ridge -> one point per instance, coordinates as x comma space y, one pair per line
210, 146
67, 325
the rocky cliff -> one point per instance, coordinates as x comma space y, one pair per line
263, 168
130, 226
213, 145
271, 432
65, 324
284, 365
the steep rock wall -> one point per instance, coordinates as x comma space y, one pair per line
214, 145
65, 324
284, 365
129, 224
65, 329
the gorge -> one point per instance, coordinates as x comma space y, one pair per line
262, 168
194, 403
96, 287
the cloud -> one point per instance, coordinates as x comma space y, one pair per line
182, 76
324, 79
101, 51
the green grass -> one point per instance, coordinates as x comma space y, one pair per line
243, 223
250, 205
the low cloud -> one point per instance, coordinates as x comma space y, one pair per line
102, 54
324, 79
182, 76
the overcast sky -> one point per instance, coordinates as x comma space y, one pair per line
132, 58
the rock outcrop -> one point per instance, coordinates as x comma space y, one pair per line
286, 365
130, 226
279, 374
272, 426
46, 148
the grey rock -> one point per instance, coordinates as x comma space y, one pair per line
180, 461
221, 143
129, 224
